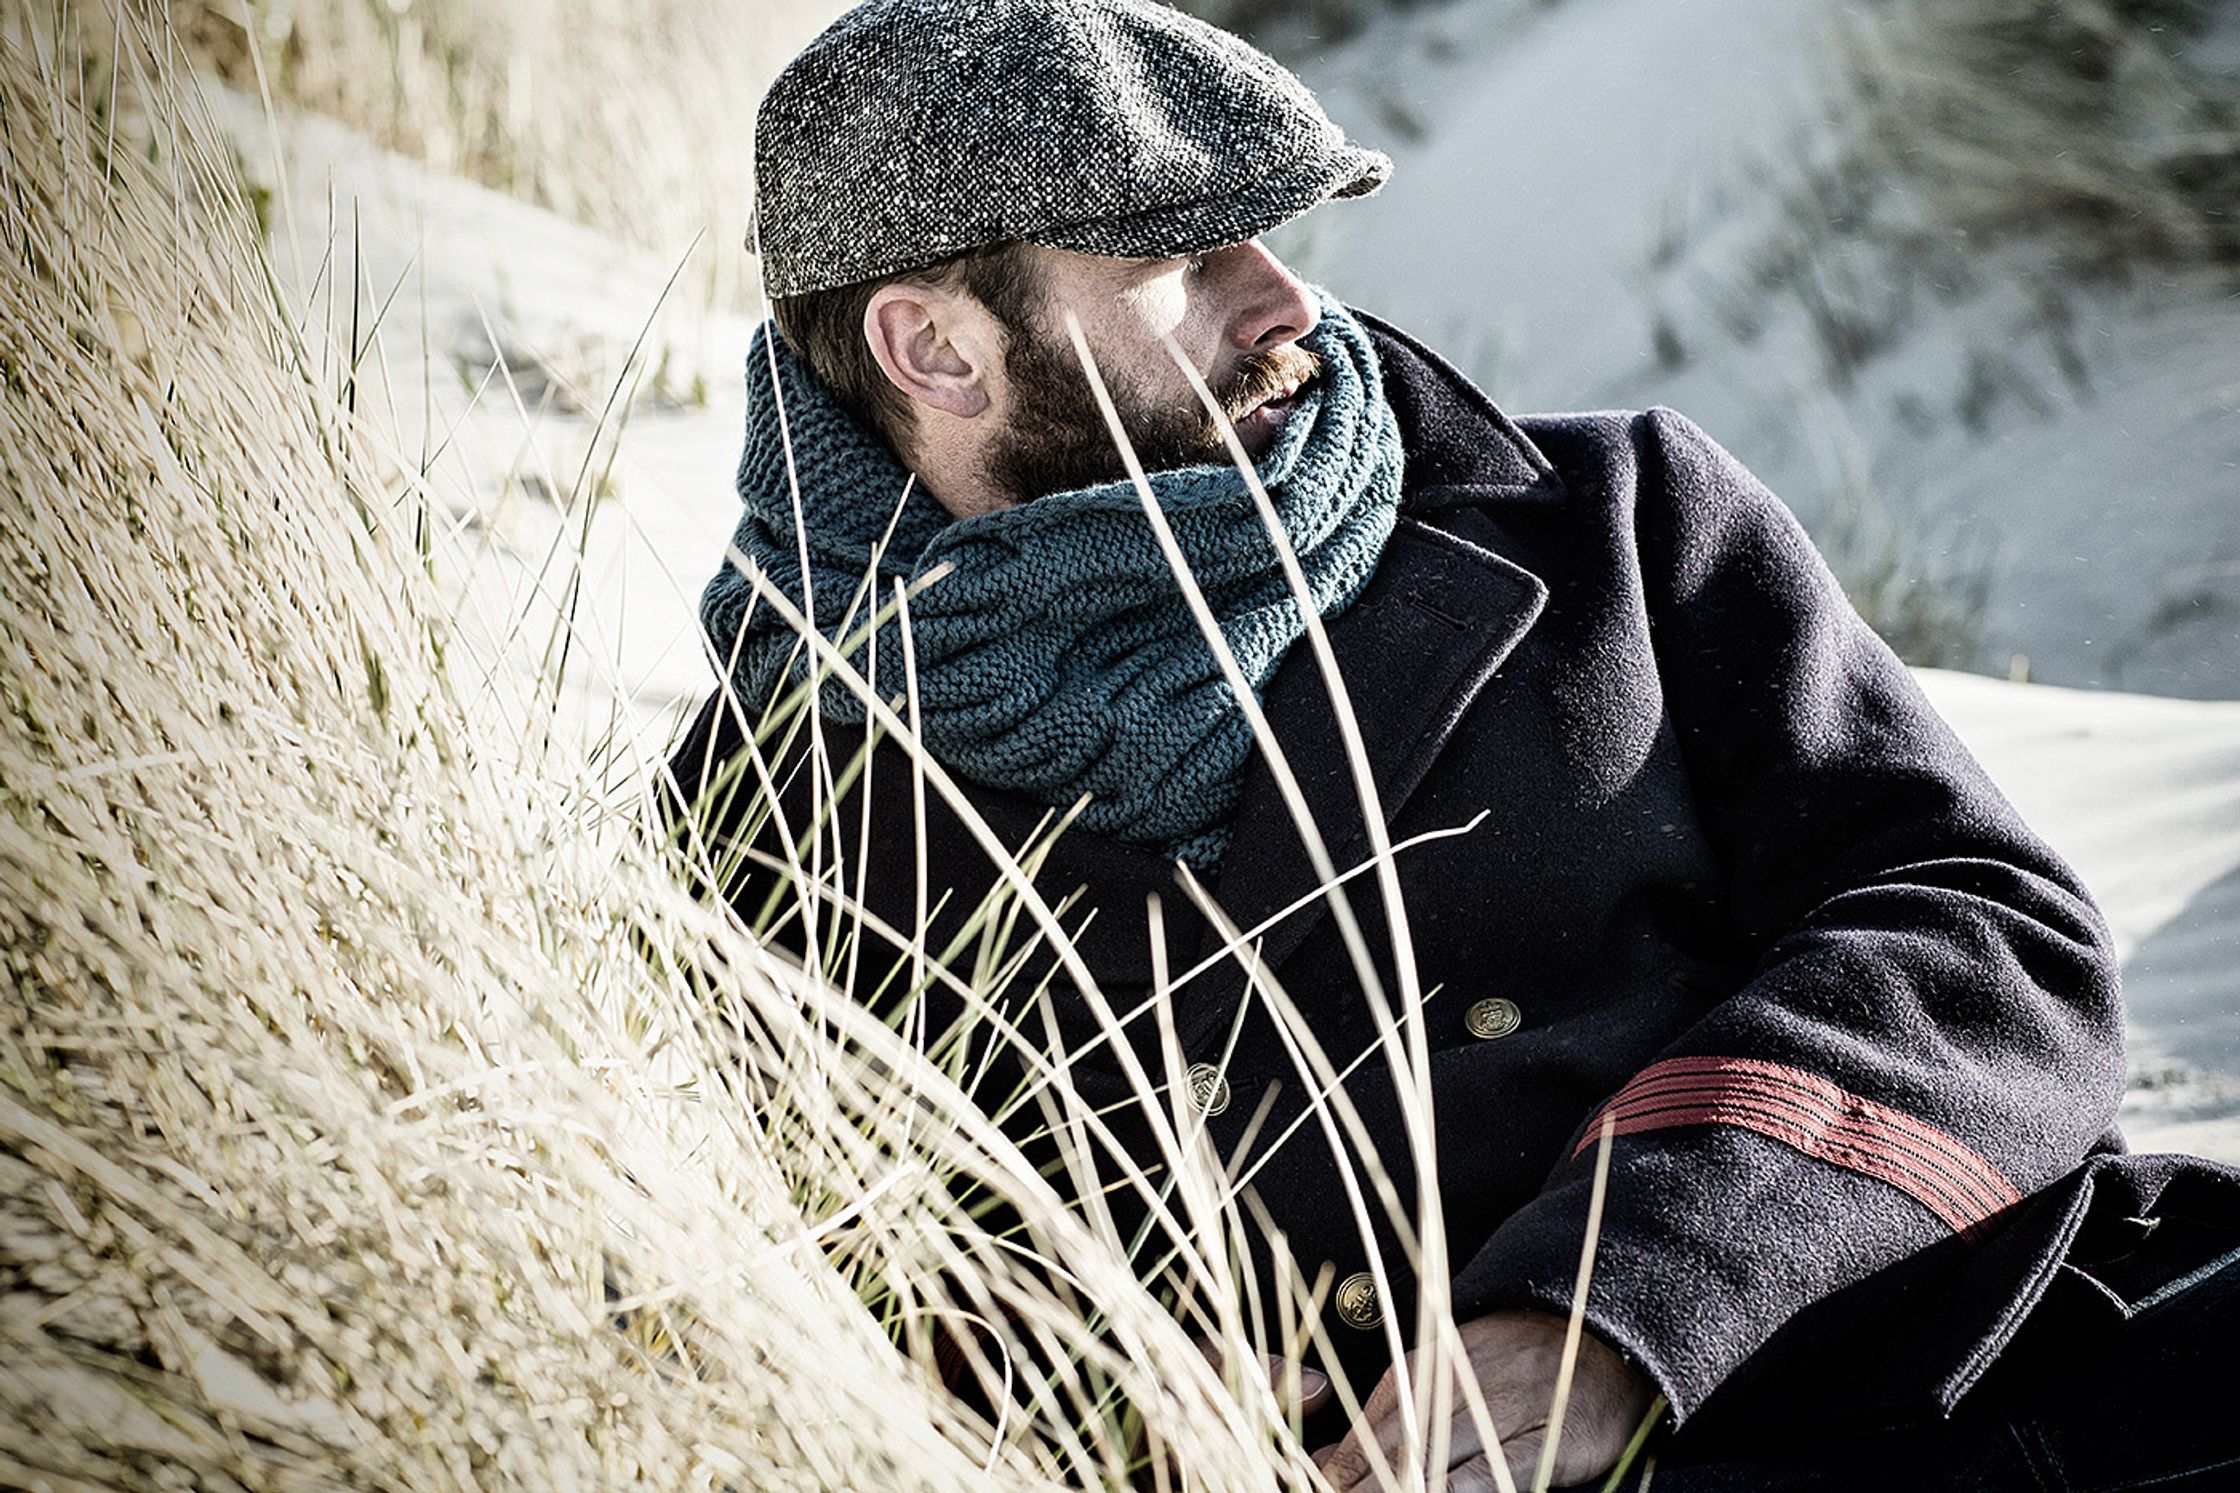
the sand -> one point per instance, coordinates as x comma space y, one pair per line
1568, 178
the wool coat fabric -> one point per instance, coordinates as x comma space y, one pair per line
1855, 1029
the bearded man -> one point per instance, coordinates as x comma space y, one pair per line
1724, 888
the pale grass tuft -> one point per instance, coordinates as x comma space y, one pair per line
373, 1112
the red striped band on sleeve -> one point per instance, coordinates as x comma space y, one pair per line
1821, 1119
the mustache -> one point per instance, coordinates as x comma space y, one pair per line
1262, 376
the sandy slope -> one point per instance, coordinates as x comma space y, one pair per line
2143, 794
574, 426
1568, 176
1535, 150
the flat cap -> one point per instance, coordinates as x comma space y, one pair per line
913, 130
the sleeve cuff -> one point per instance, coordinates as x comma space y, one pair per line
1712, 1237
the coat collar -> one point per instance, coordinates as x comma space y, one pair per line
1436, 620
1461, 448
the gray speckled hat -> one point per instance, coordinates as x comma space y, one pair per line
912, 130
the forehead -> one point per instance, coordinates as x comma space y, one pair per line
1063, 271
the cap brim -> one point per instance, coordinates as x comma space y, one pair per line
1195, 227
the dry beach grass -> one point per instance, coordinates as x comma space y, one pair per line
375, 1107
326, 1107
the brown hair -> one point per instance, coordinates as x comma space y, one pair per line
825, 328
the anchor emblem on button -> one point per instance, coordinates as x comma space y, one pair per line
1209, 1091
1359, 1305
1491, 1018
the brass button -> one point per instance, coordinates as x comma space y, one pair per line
1357, 1301
1209, 1091
1492, 1017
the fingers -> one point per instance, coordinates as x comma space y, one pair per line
1369, 1456
1295, 1385
1473, 1475
1353, 1464
1477, 1474
1350, 1464
1513, 1358
1314, 1390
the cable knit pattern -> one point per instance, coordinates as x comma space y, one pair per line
1059, 657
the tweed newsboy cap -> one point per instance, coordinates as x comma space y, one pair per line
913, 130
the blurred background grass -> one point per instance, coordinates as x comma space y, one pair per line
1957, 279
637, 119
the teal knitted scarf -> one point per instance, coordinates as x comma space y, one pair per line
1058, 657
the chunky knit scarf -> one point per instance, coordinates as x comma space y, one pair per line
1058, 658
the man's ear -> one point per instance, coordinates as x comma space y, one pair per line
935, 346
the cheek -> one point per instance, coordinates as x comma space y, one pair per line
1165, 308
1158, 308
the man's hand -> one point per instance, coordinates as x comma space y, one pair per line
1300, 1390
1514, 1356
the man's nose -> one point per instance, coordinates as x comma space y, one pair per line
1278, 307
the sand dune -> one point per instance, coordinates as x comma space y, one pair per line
1589, 208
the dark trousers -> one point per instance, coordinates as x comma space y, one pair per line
2125, 1377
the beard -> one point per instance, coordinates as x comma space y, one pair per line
1057, 440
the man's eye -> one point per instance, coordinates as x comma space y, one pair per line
1194, 265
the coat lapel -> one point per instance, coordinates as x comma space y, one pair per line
1414, 650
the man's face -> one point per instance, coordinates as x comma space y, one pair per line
1236, 314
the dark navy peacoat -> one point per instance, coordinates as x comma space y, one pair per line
1730, 884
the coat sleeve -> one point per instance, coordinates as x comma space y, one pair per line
1932, 1026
